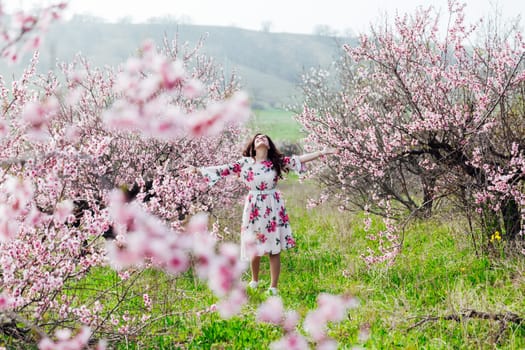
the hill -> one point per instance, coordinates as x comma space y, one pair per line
269, 64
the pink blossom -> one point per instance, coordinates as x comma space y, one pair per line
364, 333
204, 251
8, 229
212, 308
271, 311
123, 330
4, 129
327, 344
173, 74
333, 307
291, 320
198, 224
177, 262
63, 211
20, 193
251, 246
232, 304
315, 325
72, 133
5, 301
291, 341
119, 257
221, 277
65, 341
147, 301
193, 88
38, 115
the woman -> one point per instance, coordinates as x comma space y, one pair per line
265, 225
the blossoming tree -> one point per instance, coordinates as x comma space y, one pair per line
93, 173
69, 140
420, 116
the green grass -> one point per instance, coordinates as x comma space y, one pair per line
437, 274
278, 124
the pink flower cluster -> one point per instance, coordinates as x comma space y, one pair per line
5, 301
150, 88
59, 165
16, 197
37, 115
330, 308
66, 341
24, 33
143, 238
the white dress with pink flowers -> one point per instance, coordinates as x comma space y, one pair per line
265, 226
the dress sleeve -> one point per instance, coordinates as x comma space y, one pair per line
293, 163
213, 174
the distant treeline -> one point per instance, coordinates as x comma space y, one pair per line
269, 64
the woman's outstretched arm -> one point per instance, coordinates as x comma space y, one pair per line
314, 155
212, 174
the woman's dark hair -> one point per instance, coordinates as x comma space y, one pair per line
273, 154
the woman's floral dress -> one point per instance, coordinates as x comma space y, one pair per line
265, 225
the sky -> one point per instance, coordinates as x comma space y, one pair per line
293, 16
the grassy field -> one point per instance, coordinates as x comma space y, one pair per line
437, 275
437, 278
278, 124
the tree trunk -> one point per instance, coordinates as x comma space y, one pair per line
511, 219
428, 195
491, 221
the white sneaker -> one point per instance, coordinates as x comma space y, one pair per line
273, 291
253, 284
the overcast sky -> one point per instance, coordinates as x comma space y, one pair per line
294, 16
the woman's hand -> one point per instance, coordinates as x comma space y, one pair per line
190, 170
315, 155
329, 150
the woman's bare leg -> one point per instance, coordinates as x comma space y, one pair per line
275, 268
256, 264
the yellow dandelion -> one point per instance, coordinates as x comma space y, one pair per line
496, 236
